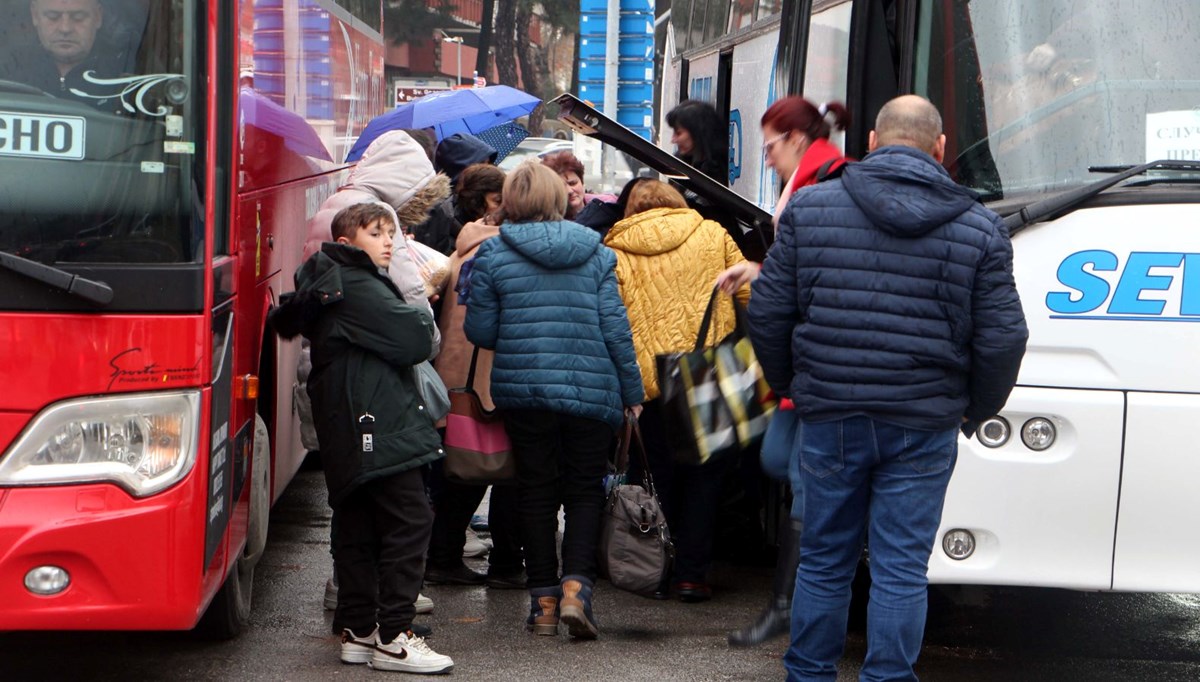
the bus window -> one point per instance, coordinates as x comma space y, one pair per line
717, 20
768, 8
741, 14
681, 23
1033, 92
699, 22
828, 58
101, 131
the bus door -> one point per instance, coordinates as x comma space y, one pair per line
1154, 551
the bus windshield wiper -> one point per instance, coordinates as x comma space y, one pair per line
89, 290
1066, 201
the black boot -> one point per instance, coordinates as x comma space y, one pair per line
776, 619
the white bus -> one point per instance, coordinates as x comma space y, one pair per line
1090, 477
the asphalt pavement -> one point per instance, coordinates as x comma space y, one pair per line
973, 634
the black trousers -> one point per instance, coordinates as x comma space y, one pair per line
380, 537
454, 503
690, 495
561, 461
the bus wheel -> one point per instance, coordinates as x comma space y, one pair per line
230, 608
260, 494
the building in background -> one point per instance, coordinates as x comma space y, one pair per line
435, 46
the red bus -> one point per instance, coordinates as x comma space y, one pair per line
159, 161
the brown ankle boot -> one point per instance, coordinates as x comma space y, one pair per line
543, 611
576, 607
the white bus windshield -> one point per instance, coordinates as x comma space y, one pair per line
1034, 92
101, 114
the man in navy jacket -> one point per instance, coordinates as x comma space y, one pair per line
887, 311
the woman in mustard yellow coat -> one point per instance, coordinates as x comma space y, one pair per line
668, 259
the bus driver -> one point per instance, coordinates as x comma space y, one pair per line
67, 32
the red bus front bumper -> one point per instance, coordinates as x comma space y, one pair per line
134, 564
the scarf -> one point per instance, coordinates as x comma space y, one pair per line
817, 154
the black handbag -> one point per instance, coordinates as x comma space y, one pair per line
635, 549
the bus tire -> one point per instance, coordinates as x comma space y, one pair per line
230, 608
260, 492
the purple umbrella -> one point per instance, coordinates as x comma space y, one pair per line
298, 136
468, 111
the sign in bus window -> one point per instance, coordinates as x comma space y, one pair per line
1173, 135
60, 137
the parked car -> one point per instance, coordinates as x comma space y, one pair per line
589, 153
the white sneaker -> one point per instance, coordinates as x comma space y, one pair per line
424, 604
357, 650
330, 595
474, 547
410, 654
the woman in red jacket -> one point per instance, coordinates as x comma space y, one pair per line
796, 145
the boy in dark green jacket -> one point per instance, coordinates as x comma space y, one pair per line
374, 434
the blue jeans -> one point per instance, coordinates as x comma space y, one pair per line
859, 474
780, 456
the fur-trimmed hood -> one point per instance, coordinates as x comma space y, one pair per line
396, 170
416, 210
393, 171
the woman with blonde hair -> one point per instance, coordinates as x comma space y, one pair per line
668, 257
544, 297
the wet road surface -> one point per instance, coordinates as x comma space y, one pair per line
973, 634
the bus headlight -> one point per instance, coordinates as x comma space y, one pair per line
1038, 433
144, 443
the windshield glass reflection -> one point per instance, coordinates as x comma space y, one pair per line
1035, 92
100, 131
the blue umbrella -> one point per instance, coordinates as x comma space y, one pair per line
468, 111
504, 138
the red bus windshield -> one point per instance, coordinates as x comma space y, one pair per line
101, 124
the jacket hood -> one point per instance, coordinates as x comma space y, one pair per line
322, 271
395, 169
652, 232
318, 283
459, 151
417, 209
904, 191
556, 245
472, 235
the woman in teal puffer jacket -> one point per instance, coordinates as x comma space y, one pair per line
544, 296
